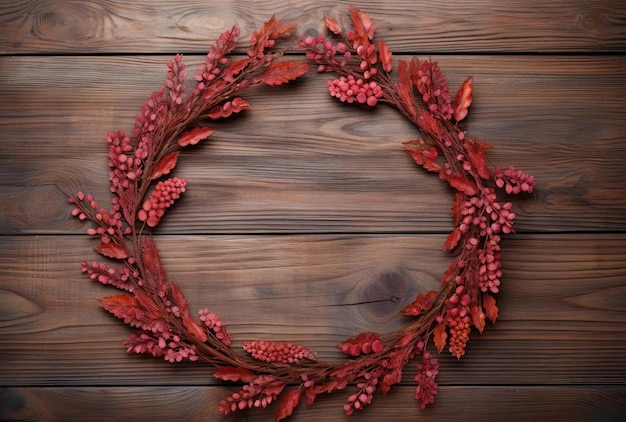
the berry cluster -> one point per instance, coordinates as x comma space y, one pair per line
363, 344
457, 319
277, 351
163, 196
214, 323
427, 387
432, 84
348, 89
514, 181
364, 396
163, 345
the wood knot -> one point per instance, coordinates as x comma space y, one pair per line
68, 21
593, 21
381, 297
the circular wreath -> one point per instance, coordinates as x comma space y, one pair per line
171, 120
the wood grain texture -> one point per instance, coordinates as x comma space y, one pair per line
189, 404
563, 302
306, 220
107, 26
328, 168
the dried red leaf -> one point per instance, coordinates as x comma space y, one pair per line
462, 184
385, 56
463, 100
154, 271
332, 24
234, 373
491, 310
234, 69
457, 206
179, 299
281, 72
118, 304
195, 135
404, 88
477, 157
236, 105
478, 318
423, 155
311, 394
112, 250
195, 329
363, 26
447, 276
439, 337
165, 165
289, 402
452, 240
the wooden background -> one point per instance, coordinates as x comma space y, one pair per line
305, 219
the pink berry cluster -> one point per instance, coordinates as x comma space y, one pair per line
514, 181
214, 323
123, 277
216, 57
163, 344
457, 318
319, 49
363, 344
261, 391
175, 77
348, 89
432, 84
163, 196
110, 225
490, 269
427, 387
277, 351
365, 394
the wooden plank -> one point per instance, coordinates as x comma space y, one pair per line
106, 26
519, 403
329, 167
562, 304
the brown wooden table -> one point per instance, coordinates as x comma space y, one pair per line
306, 220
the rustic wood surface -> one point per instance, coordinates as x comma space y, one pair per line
306, 220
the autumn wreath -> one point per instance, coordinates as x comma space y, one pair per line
171, 120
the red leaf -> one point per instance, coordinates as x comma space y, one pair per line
478, 318
384, 54
461, 184
290, 401
234, 69
491, 310
118, 304
232, 373
363, 26
405, 88
179, 299
195, 135
452, 240
457, 206
463, 100
440, 337
310, 394
332, 25
112, 250
281, 72
154, 271
165, 165
196, 330
477, 157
